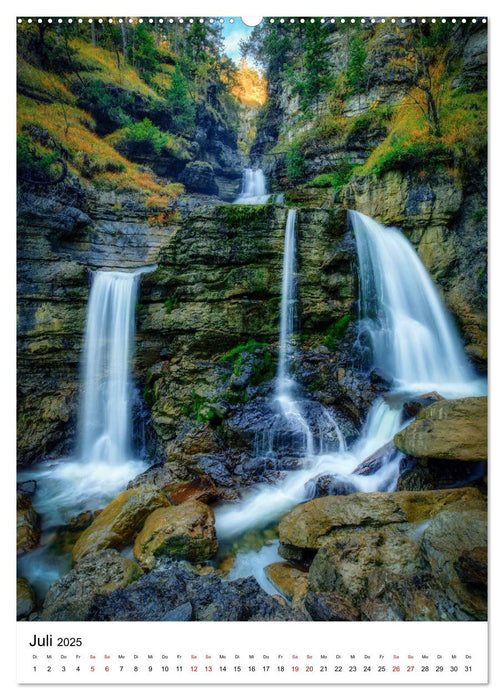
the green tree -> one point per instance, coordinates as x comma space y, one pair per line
316, 76
295, 164
357, 72
143, 53
182, 107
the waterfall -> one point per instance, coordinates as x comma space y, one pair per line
285, 385
106, 407
254, 189
105, 459
414, 341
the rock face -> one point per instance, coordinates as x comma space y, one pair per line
118, 523
27, 525
25, 599
403, 555
186, 531
199, 176
450, 429
62, 238
69, 597
175, 591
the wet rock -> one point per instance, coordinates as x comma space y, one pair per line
70, 596
446, 541
27, 488
413, 407
175, 584
290, 579
427, 474
202, 488
375, 461
472, 566
25, 599
328, 485
393, 555
81, 521
186, 531
27, 525
449, 429
310, 525
330, 607
117, 524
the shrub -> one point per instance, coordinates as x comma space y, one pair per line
295, 164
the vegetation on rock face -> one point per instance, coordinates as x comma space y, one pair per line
104, 96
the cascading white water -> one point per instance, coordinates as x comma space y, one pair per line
254, 189
106, 460
106, 407
285, 385
414, 340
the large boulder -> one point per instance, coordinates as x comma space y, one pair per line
186, 531
119, 522
310, 525
450, 429
455, 546
176, 591
201, 488
71, 595
393, 556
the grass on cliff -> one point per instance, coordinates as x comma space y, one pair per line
70, 129
409, 144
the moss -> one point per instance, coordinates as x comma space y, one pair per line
170, 305
249, 346
336, 331
429, 157
336, 179
148, 394
479, 215
238, 215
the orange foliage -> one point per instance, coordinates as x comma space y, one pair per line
250, 86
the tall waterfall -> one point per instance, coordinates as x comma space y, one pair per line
254, 189
106, 406
285, 385
413, 338
105, 459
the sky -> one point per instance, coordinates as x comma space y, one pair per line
233, 33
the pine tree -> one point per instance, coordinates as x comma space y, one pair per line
356, 67
182, 108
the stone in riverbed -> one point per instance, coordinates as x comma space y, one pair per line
202, 488
164, 594
448, 539
117, 524
290, 579
395, 556
330, 607
449, 429
310, 525
186, 531
70, 596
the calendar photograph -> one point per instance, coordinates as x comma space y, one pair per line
252, 321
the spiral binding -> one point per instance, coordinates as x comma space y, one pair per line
271, 20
